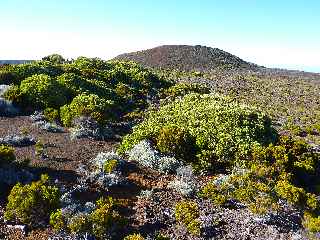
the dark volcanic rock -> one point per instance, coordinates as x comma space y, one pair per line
186, 58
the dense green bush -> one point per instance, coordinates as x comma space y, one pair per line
187, 213
7, 77
32, 203
80, 223
134, 237
77, 85
223, 129
104, 217
311, 222
87, 105
54, 58
23, 71
90, 63
54, 82
176, 141
182, 89
43, 91
99, 222
51, 114
15, 95
286, 170
6, 155
57, 220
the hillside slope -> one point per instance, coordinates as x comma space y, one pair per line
186, 58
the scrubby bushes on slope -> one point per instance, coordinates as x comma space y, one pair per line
87, 105
287, 170
6, 155
32, 203
215, 128
181, 89
43, 91
54, 82
100, 222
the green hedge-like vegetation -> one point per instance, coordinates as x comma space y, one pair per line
6, 154
87, 105
182, 89
217, 129
43, 91
99, 222
287, 170
55, 82
32, 203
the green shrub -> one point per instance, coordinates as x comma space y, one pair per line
134, 237
15, 95
213, 192
54, 58
87, 105
285, 170
57, 220
51, 114
99, 223
182, 89
187, 212
177, 141
7, 77
104, 217
77, 84
223, 129
80, 223
32, 203
43, 91
74, 83
84, 63
311, 222
23, 71
6, 155
110, 165
39, 148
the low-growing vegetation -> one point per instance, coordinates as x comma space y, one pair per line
286, 170
103, 90
187, 212
212, 130
100, 222
33, 203
6, 155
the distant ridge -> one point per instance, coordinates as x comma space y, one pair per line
186, 58
2, 62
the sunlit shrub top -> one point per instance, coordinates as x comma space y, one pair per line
223, 129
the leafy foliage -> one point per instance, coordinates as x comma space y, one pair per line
223, 129
43, 91
99, 222
187, 213
54, 58
176, 141
32, 203
6, 154
87, 105
54, 82
57, 220
286, 170
182, 89
134, 237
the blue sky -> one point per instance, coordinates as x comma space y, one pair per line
272, 33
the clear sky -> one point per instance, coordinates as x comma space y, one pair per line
273, 33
